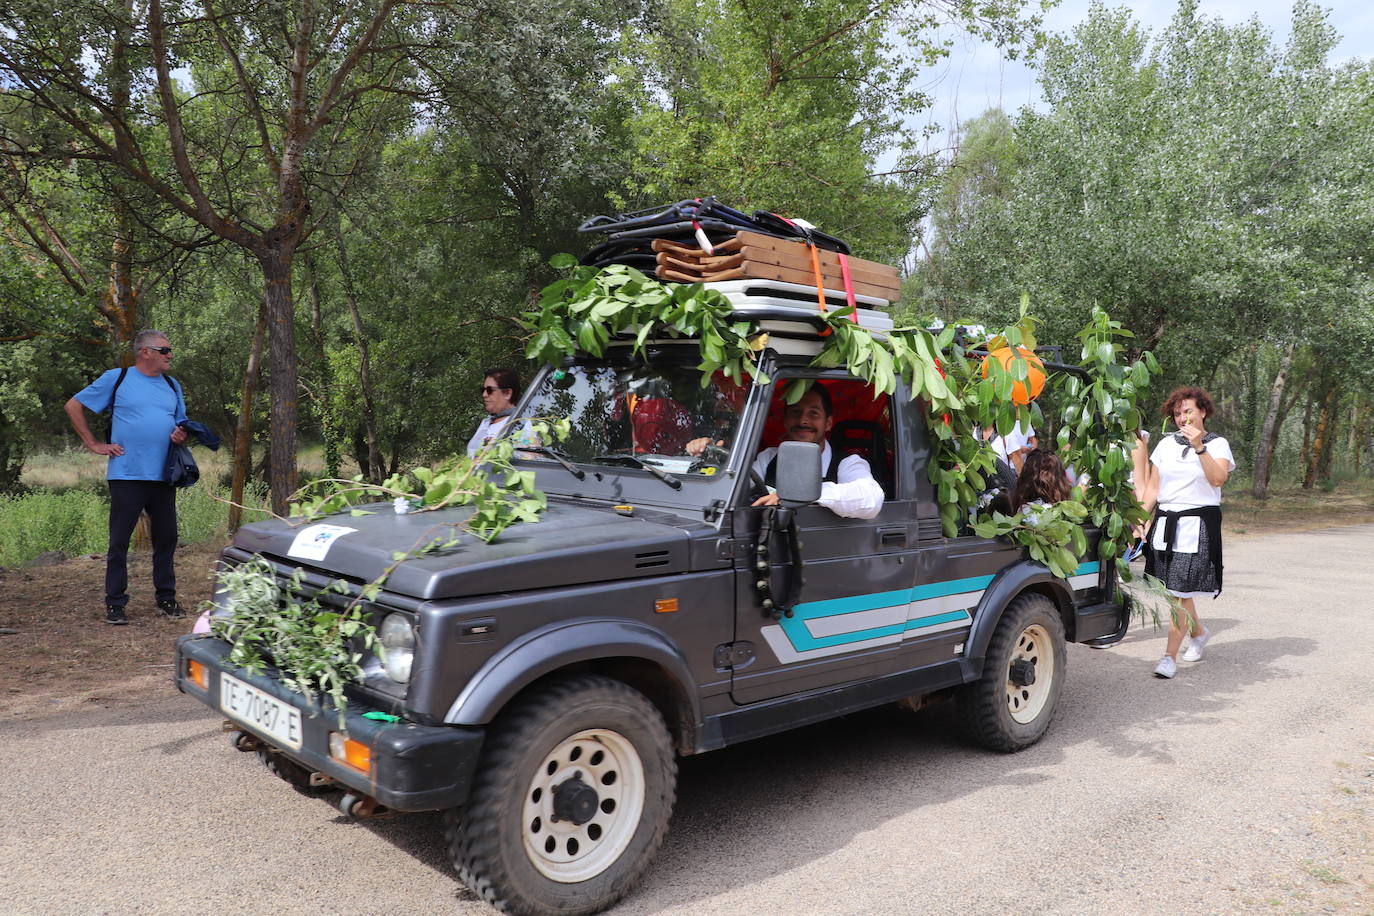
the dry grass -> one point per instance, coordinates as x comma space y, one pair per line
69, 468
1291, 508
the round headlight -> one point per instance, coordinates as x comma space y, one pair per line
397, 636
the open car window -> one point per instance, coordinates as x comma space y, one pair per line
657, 412
862, 425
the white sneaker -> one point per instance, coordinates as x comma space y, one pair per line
1194, 651
1167, 667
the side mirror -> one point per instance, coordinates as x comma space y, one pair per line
798, 474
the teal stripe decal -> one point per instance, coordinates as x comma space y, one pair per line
810, 610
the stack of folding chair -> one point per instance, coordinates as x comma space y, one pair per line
704, 241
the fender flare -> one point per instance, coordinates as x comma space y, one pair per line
1010, 582
564, 643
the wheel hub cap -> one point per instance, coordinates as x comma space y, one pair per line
1022, 672
575, 801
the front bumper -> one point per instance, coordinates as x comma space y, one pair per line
414, 767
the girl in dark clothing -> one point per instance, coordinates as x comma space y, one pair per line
1042, 480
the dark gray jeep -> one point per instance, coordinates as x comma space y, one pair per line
540, 687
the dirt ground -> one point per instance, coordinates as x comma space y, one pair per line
64, 656
57, 654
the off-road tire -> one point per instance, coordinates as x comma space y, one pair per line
991, 706
489, 839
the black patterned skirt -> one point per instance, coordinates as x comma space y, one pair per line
1185, 575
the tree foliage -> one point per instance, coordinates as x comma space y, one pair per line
1205, 185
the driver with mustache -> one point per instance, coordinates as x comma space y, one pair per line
848, 488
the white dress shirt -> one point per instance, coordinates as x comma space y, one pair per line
855, 494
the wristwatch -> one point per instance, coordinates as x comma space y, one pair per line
1202, 451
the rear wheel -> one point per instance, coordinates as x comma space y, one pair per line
571, 801
1012, 704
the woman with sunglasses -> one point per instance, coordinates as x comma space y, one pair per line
500, 390
1183, 548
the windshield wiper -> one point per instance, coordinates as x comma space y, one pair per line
561, 459
661, 474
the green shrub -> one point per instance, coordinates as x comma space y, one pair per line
74, 522
202, 514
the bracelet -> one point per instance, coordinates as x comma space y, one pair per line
1202, 451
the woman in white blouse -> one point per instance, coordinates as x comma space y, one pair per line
1187, 471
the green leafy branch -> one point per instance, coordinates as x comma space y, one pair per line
590, 306
312, 645
1052, 533
960, 392
499, 493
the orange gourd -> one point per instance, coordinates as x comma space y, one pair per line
1022, 392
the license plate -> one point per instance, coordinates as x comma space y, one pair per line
263, 712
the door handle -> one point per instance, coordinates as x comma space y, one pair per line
892, 537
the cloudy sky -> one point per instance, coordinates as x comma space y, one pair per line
976, 77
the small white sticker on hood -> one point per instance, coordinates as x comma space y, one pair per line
313, 541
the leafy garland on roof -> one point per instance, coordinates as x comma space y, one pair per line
1099, 416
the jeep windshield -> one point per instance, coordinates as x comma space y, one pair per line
625, 412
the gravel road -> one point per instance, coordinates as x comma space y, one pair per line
1244, 785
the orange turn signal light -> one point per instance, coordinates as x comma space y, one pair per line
665, 605
196, 672
350, 753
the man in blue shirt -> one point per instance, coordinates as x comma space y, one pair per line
146, 405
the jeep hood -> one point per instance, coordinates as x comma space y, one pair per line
570, 544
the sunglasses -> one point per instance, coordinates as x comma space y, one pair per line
488, 389
165, 351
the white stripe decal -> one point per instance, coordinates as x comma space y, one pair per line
962, 602
782, 646
860, 620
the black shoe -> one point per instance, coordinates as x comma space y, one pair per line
114, 614
168, 607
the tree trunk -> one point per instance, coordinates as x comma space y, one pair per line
119, 303
1318, 438
1250, 398
1357, 433
243, 432
1351, 440
276, 269
1330, 433
374, 452
360, 455
1269, 436
1305, 456
329, 424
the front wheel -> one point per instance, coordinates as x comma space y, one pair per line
571, 802
1012, 704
